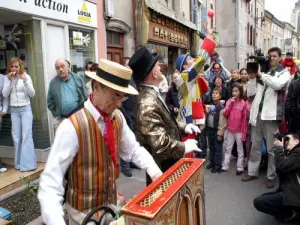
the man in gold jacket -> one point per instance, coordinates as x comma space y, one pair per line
156, 130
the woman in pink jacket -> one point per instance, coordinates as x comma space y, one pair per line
236, 112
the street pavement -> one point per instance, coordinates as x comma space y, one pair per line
228, 200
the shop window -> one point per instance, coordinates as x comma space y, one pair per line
82, 49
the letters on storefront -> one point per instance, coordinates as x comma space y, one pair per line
78, 12
165, 30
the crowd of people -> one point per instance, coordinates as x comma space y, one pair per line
251, 114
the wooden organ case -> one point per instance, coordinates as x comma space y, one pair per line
176, 198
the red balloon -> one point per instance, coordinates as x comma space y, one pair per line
211, 13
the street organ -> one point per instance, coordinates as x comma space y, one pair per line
176, 198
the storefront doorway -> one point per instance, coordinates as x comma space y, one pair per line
16, 39
115, 46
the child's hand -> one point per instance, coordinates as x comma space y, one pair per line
207, 108
233, 99
219, 138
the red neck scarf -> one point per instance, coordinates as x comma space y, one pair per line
109, 134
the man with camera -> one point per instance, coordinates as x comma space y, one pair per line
284, 203
267, 111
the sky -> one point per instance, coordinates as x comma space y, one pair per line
282, 9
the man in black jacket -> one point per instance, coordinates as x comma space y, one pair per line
128, 109
172, 96
292, 107
284, 203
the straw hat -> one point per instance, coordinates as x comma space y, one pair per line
113, 75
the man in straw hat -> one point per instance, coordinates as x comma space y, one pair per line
86, 147
155, 128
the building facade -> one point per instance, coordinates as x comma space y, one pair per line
289, 44
259, 24
39, 32
295, 18
236, 28
170, 28
119, 30
276, 29
267, 32
295, 41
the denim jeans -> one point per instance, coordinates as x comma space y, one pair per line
215, 147
21, 119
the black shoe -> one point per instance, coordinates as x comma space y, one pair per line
214, 170
127, 173
219, 169
209, 166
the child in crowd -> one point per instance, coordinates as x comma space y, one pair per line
215, 140
235, 77
219, 84
244, 80
289, 63
235, 111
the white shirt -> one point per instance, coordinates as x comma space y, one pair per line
18, 90
64, 149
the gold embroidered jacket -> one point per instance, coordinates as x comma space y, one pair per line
155, 129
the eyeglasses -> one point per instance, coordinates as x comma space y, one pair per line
117, 97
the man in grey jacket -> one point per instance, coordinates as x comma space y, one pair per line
67, 91
3, 111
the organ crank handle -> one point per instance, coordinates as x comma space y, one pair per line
105, 209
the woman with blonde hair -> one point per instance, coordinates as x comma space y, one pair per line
18, 87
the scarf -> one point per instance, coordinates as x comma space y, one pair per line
109, 134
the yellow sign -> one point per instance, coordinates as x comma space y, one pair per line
77, 38
83, 14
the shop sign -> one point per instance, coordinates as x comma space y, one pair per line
165, 30
74, 11
84, 15
77, 38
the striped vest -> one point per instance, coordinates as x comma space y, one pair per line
91, 176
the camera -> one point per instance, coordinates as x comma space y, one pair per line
259, 59
278, 136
